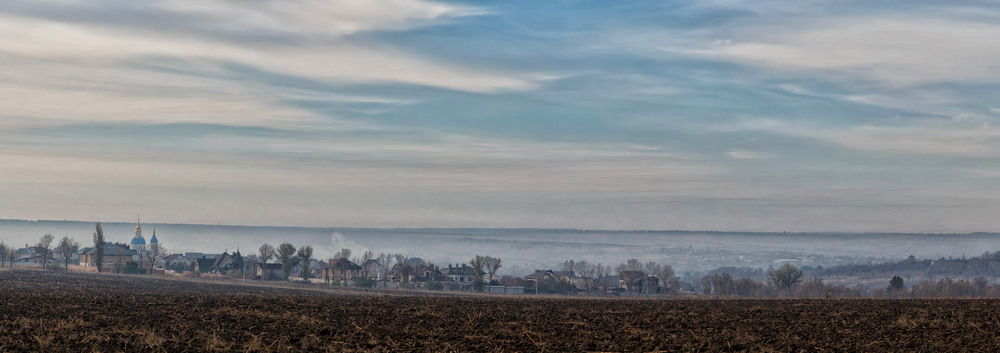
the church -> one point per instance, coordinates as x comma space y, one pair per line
138, 243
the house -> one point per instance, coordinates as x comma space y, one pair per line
372, 269
429, 273
519, 282
637, 282
540, 275
268, 272
341, 270
222, 263
175, 261
317, 268
461, 273
608, 285
36, 260
26, 252
113, 254
74, 257
205, 266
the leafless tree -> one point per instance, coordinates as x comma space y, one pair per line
344, 253
403, 267
11, 256
67, 247
3, 254
478, 264
668, 279
599, 274
493, 265
99, 248
154, 253
366, 257
632, 264
786, 276
385, 264
44, 248
286, 255
267, 253
305, 254
586, 272
567, 266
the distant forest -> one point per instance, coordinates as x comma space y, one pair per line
985, 265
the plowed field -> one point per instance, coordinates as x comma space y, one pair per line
52, 311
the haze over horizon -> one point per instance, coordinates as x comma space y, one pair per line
705, 115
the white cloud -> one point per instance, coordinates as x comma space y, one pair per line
744, 154
94, 46
898, 51
933, 137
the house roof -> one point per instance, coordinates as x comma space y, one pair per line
205, 265
271, 266
458, 270
540, 273
607, 281
110, 249
172, 257
518, 282
632, 275
343, 264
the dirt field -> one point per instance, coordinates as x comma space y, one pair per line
87, 312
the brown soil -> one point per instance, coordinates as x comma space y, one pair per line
52, 311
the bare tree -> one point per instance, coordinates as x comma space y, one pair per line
786, 276
44, 248
154, 253
267, 253
567, 266
385, 264
651, 269
286, 255
3, 254
669, 281
344, 253
67, 247
478, 264
305, 254
366, 257
403, 267
599, 274
493, 265
99, 248
632, 264
586, 272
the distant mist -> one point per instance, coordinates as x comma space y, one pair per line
523, 250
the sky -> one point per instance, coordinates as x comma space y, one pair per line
703, 115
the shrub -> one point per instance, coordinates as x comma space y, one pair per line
432, 285
364, 282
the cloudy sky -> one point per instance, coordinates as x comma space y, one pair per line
714, 115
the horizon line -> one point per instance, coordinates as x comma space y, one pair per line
522, 228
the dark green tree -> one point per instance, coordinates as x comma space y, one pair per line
99, 248
286, 255
896, 284
305, 254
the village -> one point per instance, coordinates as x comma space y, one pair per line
285, 262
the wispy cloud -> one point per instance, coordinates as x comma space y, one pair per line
744, 154
413, 112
